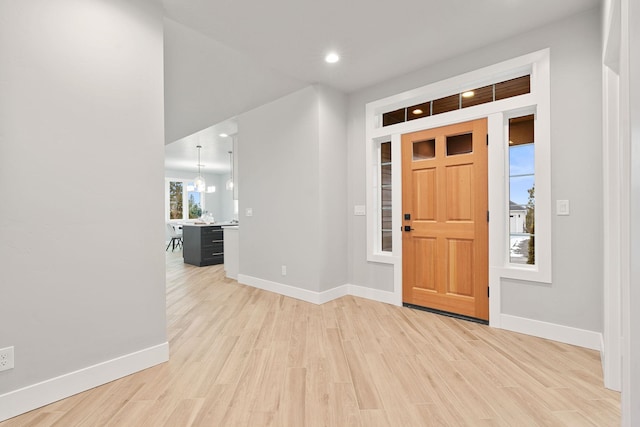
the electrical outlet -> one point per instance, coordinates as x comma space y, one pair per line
6, 358
284, 270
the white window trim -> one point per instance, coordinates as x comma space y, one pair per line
497, 113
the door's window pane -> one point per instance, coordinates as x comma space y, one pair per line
423, 150
459, 144
521, 190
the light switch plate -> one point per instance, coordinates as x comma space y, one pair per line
248, 212
360, 210
562, 207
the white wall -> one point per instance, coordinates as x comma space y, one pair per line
278, 179
575, 296
81, 154
292, 175
630, 111
333, 187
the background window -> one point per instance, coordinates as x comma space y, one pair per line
195, 204
179, 192
175, 200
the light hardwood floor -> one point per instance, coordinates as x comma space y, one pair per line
245, 357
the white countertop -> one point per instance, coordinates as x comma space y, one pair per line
206, 224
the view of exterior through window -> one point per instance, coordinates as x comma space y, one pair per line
195, 204
178, 191
385, 196
521, 190
175, 200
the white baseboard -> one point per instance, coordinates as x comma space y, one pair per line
536, 328
294, 292
331, 294
34, 396
374, 294
552, 331
602, 358
319, 297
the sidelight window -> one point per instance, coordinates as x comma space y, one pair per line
522, 200
385, 197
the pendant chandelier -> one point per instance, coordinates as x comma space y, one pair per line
229, 184
199, 182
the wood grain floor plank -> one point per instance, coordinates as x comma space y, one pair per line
376, 418
249, 378
434, 416
293, 410
241, 356
42, 419
459, 392
317, 409
262, 419
402, 370
130, 413
268, 394
215, 406
338, 366
574, 418
365, 388
344, 406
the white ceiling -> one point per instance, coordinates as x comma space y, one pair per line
182, 155
225, 57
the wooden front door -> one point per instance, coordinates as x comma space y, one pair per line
445, 261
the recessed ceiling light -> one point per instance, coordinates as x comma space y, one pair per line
417, 111
468, 94
224, 135
332, 58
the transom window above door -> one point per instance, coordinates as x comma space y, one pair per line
468, 98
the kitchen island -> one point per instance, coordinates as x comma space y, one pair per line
203, 244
